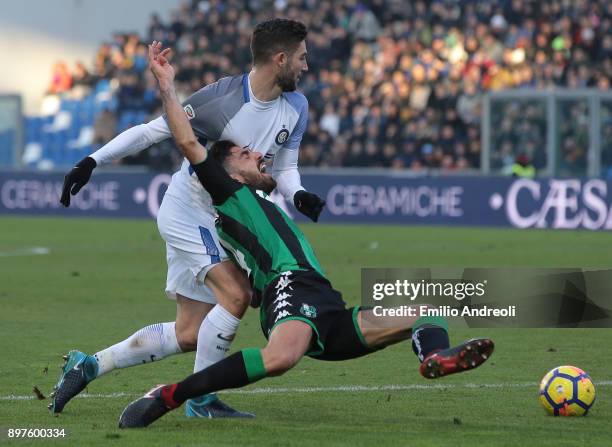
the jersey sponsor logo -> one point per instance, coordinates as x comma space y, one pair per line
308, 311
189, 111
282, 136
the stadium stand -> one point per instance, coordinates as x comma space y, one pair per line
391, 83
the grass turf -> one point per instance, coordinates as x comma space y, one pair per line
103, 280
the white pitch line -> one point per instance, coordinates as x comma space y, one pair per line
25, 251
327, 389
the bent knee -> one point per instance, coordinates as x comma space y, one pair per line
236, 298
277, 363
187, 339
240, 295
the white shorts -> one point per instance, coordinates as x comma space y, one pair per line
192, 249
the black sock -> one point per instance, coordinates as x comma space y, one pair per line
429, 334
427, 340
235, 371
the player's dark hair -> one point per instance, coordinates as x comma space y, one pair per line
220, 150
275, 36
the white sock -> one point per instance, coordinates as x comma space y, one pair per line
211, 347
147, 345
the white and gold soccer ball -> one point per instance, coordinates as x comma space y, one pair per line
567, 391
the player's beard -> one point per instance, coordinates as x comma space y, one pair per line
260, 181
286, 80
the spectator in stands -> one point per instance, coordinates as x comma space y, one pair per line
363, 24
102, 64
522, 167
61, 79
81, 76
391, 83
130, 92
105, 127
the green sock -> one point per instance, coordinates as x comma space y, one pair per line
234, 371
253, 363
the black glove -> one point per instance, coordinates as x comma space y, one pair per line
308, 204
76, 179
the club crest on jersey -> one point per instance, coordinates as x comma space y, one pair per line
189, 111
308, 311
282, 136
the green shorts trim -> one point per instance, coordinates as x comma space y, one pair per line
311, 324
362, 339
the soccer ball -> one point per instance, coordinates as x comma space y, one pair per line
567, 391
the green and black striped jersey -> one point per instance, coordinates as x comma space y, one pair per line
259, 235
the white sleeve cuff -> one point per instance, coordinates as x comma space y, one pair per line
288, 183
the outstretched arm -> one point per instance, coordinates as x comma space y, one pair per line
211, 174
132, 141
177, 120
126, 143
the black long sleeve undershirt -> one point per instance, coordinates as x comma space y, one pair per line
216, 180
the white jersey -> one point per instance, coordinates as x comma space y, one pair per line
228, 110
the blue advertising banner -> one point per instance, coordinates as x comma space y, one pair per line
379, 199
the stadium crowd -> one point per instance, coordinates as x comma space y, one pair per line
391, 83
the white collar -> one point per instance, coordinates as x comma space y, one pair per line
257, 102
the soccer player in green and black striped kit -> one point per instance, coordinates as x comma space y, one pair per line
301, 314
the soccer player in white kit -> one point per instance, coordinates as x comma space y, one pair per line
259, 110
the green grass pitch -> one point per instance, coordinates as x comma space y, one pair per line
103, 279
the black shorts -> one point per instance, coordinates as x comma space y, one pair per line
309, 297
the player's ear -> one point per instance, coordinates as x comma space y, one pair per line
280, 59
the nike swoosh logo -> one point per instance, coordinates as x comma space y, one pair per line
247, 146
230, 338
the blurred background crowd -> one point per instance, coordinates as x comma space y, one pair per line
391, 83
